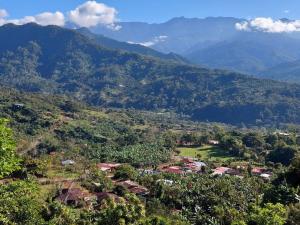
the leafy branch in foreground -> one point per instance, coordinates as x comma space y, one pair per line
9, 161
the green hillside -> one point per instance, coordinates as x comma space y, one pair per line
61, 61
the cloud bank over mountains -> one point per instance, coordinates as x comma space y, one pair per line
269, 25
92, 13
89, 14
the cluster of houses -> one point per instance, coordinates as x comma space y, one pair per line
256, 171
73, 194
189, 165
131, 186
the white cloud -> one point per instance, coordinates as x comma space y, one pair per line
89, 14
43, 19
286, 11
269, 25
48, 18
92, 13
242, 26
154, 41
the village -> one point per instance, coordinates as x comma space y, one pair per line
73, 194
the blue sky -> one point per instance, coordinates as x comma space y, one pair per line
162, 10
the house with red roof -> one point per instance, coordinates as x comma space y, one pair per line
108, 167
134, 187
76, 196
258, 170
220, 170
173, 170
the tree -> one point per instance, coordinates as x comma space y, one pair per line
272, 139
233, 144
280, 194
293, 174
20, 204
293, 214
270, 214
9, 162
253, 140
126, 211
169, 140
126, 172
98, 177
70, 106
160, 220
283, 155
60, 214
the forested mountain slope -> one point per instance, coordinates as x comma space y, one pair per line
215, 42
61, 61
136, 48
289, 71
48, 123
248, 52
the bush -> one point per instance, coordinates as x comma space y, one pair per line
126, 172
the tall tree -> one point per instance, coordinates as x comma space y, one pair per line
9, 161
269, 215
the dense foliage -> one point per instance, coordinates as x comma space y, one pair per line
9, 161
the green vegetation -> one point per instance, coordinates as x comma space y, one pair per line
126, 172
19, 204
269, 215
61, 61
143, 140
9, 161
49, 171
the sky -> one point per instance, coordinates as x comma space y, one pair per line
261, 15
156, 11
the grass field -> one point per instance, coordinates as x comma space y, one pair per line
207, 152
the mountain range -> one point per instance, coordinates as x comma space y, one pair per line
136, 48
215, 42
61, 61
179, 35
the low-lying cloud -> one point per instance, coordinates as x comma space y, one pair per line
269, 25
153, 42
89, 14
